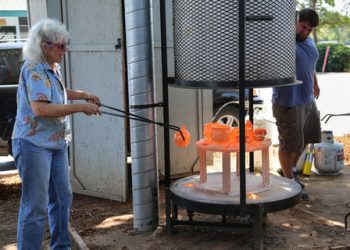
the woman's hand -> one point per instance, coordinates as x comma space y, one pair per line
90, 98
91, 109
74, 94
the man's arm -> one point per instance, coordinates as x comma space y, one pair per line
316, 87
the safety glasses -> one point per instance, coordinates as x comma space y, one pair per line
61, 46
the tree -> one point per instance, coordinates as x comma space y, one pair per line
315, 4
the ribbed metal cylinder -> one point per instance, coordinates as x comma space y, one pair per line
139, 61
206, 41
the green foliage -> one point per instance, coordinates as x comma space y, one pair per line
332, 19
315, 4
340, 34
338, 60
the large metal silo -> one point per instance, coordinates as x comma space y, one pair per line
207, 43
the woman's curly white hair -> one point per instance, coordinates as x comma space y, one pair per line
45, 30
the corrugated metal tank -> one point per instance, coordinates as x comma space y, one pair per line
207, 43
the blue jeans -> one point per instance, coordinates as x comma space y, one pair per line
45, 187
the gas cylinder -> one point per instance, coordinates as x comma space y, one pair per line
329, 155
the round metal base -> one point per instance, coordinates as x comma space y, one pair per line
282, 193
233, 84
213, 185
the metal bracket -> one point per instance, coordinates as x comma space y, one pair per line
259, 18
146, 106
119, 44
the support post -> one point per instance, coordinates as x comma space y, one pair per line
257, 220
242, 106
165, 115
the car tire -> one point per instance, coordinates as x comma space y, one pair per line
228, 115
9, 147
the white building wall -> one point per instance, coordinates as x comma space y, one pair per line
37, 9
93, 64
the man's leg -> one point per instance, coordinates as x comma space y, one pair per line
289, 121
288, 160
289, 135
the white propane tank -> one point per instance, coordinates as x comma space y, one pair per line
261, 123
329, 155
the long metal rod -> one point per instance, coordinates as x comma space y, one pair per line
242, 106
251, 118
139, 118
164, 63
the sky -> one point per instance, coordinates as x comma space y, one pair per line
13, 4
340, 5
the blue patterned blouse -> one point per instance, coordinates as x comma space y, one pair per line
38, 82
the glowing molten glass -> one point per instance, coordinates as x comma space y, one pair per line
180, 141
253, 196
217, 133
259, 134
188, 185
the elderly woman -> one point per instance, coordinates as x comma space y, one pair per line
41, 132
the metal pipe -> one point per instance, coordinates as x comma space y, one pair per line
140, 86
242, 106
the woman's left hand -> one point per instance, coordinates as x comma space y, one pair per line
92, 99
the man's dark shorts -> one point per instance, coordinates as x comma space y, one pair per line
297, 126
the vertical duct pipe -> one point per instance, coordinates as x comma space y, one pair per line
139, 65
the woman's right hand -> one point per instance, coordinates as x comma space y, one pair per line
91, 109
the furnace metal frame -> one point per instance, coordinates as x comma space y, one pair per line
256, 211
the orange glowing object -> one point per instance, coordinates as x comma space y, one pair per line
249, 131
253, 196
217, 133
183, 140
207, 131
188, 185
221, 134
234, 135
259, 134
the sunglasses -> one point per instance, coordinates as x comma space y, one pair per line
61, 46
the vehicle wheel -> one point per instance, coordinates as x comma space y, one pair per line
9, 147
229, 115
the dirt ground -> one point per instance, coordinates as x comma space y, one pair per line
104, 224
